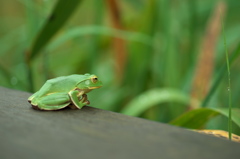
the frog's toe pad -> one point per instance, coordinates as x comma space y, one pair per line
87, 102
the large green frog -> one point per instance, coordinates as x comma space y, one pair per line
65, 91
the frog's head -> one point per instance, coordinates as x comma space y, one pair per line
89, 82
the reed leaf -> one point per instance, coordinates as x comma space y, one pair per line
197, 118
153, 97
60, 14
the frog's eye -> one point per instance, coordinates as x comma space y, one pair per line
94, 80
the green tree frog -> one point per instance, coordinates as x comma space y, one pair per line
60, 92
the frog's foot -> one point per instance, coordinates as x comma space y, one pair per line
78, 102
31, 97
35, 107
82, 99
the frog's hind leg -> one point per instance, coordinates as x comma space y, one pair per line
53, 102
51, 107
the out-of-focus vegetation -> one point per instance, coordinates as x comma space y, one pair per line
163, 60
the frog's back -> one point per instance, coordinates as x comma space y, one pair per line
60, 84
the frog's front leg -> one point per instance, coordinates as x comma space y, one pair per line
75, 95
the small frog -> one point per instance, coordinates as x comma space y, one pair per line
65, 91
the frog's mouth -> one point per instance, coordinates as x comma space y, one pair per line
95, 87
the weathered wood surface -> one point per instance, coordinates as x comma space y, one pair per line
94, 133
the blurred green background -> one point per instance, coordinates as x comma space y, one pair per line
158, 59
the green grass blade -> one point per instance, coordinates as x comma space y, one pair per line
235, 114
100, 30
229, 86
61, 13
220, 76
197, 118
152, 97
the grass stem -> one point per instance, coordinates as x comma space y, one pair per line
229, 87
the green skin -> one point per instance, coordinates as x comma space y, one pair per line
65, 91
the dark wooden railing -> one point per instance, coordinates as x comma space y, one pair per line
97, 134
